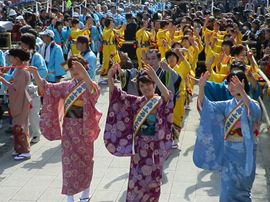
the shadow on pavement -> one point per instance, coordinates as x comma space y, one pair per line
119, 178
49, 156
212, 184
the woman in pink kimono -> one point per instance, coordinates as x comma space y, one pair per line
140, 127
69, 114
19, 103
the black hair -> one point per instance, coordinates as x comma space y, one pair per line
87, 17
83, 40
75, 21
107, 21
77, 59
175, 44
187, 32
170, 53
237, 49
239, 65
163, 24
241, 76
143, 78
227, 43
30, 40
58, 23
33, 32
19, 53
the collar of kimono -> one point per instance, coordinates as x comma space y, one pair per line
76, 92
142, 115
233, 117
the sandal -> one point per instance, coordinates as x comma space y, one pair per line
22, 157
85, 199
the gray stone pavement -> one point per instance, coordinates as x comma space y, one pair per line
39, 179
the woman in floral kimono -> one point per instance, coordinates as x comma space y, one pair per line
140, 127
226, 138
19, 103
73, 102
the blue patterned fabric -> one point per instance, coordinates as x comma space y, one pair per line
235, 160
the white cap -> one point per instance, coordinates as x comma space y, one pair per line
12, 13
20, 17
47, 32
75, 15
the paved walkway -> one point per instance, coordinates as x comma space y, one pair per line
39, 179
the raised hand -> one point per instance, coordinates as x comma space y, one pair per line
164, 43
204, 77
238, 85
221, 57
180, 53
112, 71
151, 72
80, 68
210, 63
249, 55
191, 40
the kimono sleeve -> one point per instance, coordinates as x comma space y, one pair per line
91, 115
208, 151
118, 135
163, 143
216, 91
254, 111
52, 111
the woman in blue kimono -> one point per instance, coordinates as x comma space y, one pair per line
226, 139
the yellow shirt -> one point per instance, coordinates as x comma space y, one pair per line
109, 35
74, 34
183, 70
163, 35
143, 37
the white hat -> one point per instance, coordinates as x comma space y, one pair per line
47, 32
20, 17
75, 15
12, 13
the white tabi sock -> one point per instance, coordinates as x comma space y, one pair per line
86, 194
70, 198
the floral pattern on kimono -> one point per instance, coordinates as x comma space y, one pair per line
236, 160
77, 134
150, 152
52, 111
